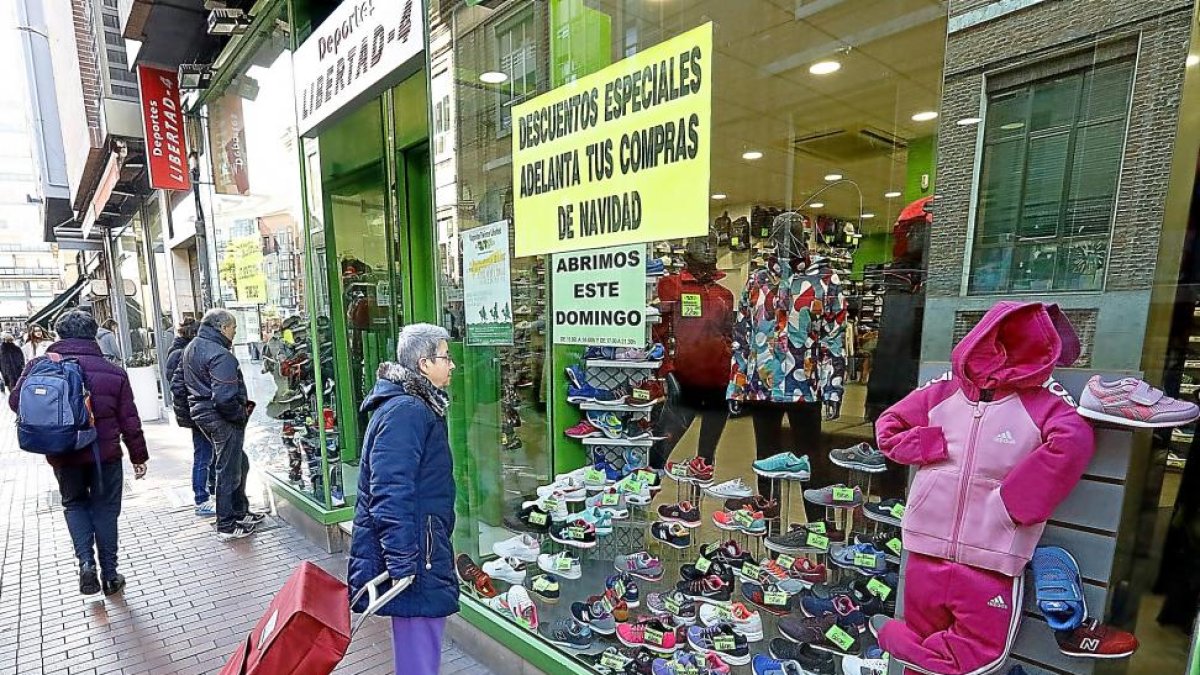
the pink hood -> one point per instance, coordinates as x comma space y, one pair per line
1016, 345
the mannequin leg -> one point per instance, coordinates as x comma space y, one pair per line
768, 437
804, 419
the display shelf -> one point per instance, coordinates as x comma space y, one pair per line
1188, 388
1191, 365
621, 442
592, 405
640, 365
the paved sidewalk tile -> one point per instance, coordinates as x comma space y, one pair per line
190, 599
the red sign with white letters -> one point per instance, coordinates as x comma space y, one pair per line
162, 121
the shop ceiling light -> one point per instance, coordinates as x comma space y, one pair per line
719, 196
493, 77
968, 121
925, 116
817, 205
228, 22
194, 76
891, 195
867, 216
752, 155
833, 176
1193, 59
824, 67
1012, 126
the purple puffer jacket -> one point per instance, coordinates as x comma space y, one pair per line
112, 404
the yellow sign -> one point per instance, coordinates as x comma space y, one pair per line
620, 156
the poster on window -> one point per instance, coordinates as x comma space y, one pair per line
227, 131
600, 297
487, 290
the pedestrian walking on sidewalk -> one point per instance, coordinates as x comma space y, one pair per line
12, 360
36, 342
218, 404
203, 473
107, 339
405, 509
91, 493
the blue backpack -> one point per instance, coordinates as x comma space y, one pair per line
55, 414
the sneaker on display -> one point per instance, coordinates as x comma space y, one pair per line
584, 429
567, 633
888, 511
864, 558
1133, 403
706, 589
610, 499
721, 639
577, 376
574, 532
608, 423
872, 662
564, 564
522, 547
810, 660
641, 565
546, 587
785, 465
729, 553
742, 520
652, 634
599, 518
1059, 588
553, 505
683, 513
1095, 640
524, 612
730, 489
671, 534
682, 609
695, 470
567, 488
475, 578
624, 587
635, 491
595, 614
506, 569
859, 457
747, 622
835, 496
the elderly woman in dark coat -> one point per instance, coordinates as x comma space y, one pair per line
12, 360
405, 510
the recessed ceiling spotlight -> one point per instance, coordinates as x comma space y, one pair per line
833, 176
752, 155
824, 67
925, 116
1193, 59
968, 121
891, 195
867, 216
817, 205
719, 196
493, 77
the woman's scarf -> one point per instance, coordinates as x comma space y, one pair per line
415, 385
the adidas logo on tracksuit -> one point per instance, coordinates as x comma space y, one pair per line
998, 602
1005, 437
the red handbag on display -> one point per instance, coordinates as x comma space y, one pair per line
306, 628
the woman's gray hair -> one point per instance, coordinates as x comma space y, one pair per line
418, 341
218, 318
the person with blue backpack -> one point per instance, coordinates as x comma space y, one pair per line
75, 408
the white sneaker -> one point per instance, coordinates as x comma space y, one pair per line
604, 500
564, 565
744, 620
572, 488
554, 503
521, 607
522, 547
639, 498
506, 569
239, 531
730, 489
207, 510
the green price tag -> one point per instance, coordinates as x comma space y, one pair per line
723, 612
593, 476
611, 660
686, 670
864, 560
654, 637
575, 533
839, 637
542, 583
645, 475
690, 304
562, 563
775, 598
724, 643
606, 603
551, 504
751, 571
703, 564
843, 494
641, 395
787, 562
610, 499
819, 528
679, 469
671, 604
523, 623
743, 517
818, 541
894, 545
898, 511
619, 588
734, 241
537, 518
879, 589
634, 486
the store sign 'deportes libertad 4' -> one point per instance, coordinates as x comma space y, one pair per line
363, 47
620, 156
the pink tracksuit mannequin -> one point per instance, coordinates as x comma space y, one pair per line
998, 446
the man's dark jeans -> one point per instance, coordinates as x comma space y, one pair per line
232, 466
91, 507
202, 463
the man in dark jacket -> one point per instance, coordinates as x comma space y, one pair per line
91, 494
218, 404
203, 473
12, 360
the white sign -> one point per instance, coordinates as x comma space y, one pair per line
360, 44
600, 297
487, 286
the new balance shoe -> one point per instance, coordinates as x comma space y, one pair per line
707, 589
522, 547
641, 565
682, 609
596, 614
730, 489
811, 661
635, 491
747, 622
768, 507
720, 639
584, 429
546, 587
1133, 403
859, 457
814, 631
564, 564
835, 496
808, 572
698, 570
671, 534
652, 634
785, 465
1095, 640
575, 532
506, 569
769, 598
475, 578
729, 553
1059, 589
888, 511
749, 522
567, 633
683, 513
623, 586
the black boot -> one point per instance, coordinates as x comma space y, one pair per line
114, 585
89, 583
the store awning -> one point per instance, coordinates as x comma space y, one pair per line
61, 303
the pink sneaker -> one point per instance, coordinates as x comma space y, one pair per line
1134, 403
652, 634
583, 430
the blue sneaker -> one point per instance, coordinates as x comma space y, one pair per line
765, 665
635, 458
1058, 587
582, 394
599, 517
577, 376
852, 557
600, 353
656, 352
607, 422
632, 595
655, 267
785, 465
611, 473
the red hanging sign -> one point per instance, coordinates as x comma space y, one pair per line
162, 121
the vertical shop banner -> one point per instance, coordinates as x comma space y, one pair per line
600, 297
487, 288
347, 58
242, 270
620, 156
162, 123
227, 131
